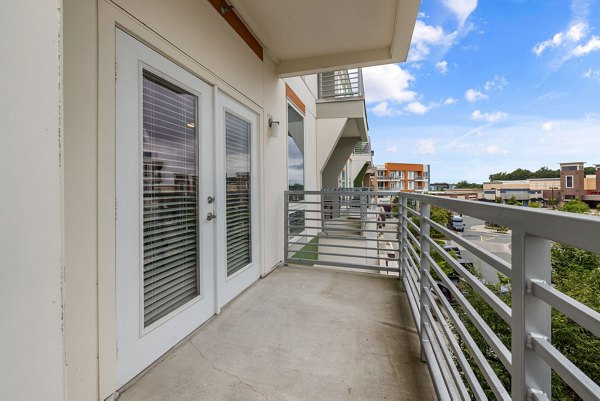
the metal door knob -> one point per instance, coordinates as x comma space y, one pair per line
210, 216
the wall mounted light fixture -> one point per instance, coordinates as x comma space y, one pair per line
271, 122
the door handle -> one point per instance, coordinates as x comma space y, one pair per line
211, 216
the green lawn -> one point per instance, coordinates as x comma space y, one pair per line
306, 251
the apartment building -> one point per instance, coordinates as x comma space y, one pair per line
409, 177
572, 184
147, 148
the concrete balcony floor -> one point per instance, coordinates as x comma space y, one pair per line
298, 334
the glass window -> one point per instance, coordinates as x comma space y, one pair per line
170, 197
238, 192
295, 150
569, 181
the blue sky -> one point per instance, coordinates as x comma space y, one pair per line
491, 86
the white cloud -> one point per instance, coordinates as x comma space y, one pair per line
426, 147
425, 36
417, 108
442, 67
388, 83
461, 8
493, 150
593, 74
575, 33
592, 45
488, 117
498, 82
551, 125
450, 101
473, 95
392, 149
383, 110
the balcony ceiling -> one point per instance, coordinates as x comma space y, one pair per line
310, 36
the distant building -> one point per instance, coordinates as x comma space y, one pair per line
572, 184
439, 186
406, 177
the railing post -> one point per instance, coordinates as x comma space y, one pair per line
424, 269
530, 315
286, 227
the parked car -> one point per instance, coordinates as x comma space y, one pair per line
456, 223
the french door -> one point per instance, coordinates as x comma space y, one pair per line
165, 227
238, 188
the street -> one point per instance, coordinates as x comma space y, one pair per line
496, 243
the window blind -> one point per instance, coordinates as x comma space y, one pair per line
238, 193
170, 197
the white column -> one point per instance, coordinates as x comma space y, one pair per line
31, 338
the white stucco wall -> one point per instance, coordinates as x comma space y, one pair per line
31, 337
196, 37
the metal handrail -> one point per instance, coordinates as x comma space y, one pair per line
531, 358
341, 84
446, 343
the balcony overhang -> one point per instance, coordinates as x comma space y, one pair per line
353, 110
310, 36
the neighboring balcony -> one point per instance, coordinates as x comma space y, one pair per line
341, 121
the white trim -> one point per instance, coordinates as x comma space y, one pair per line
567, 180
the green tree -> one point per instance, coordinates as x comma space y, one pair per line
513, 201
575, 206
589, 170
465, 184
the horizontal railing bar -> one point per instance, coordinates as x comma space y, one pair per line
580, 313
411, 223
413, 238
490, 298
576, 229
347, 265
348, 229
413, 212
440, 361
571, 374
458, 352
414, 306
459, 389
347, 192
342, 255
435, 372
414, 253
324, 235
345, 246
481, 361
486, 332
492, 260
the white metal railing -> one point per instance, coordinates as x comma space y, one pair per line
339, 224
349, 228
531, 357
341, 84
362, 148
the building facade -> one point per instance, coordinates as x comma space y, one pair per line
407, 177
147, 149
572, 184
